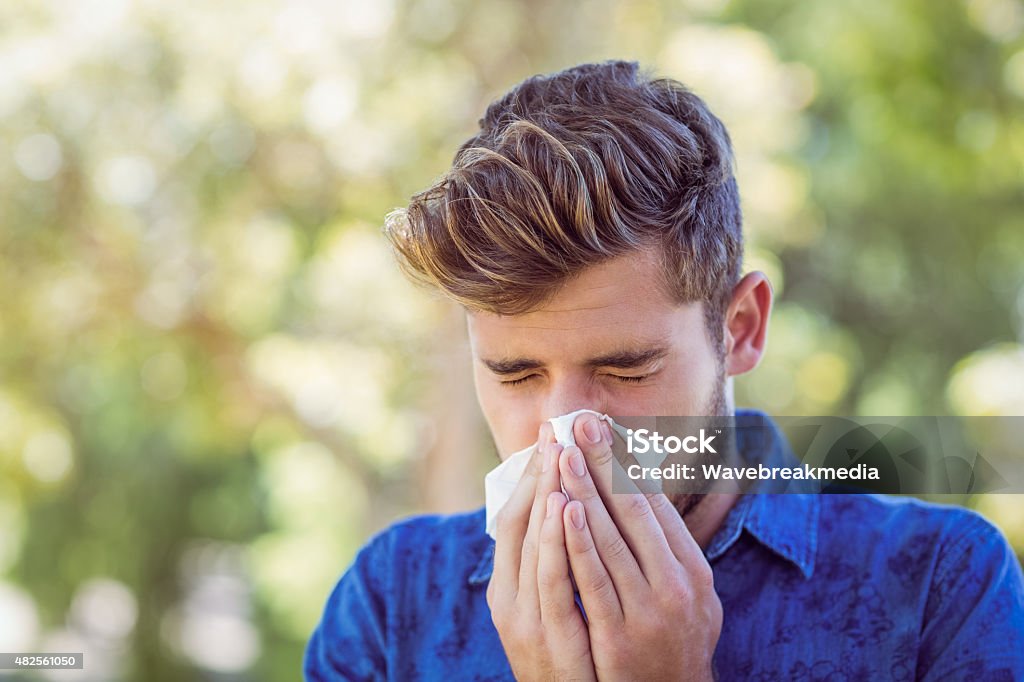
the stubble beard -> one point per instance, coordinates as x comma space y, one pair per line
716, 406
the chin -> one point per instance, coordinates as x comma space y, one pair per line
686, 503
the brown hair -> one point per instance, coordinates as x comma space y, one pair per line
571, 169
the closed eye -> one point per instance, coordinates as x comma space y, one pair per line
626, 380
516, 382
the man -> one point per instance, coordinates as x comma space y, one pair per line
592, 232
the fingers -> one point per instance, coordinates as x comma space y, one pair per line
628, 515
597, 589
611, 547
513, 520
558, 610
685, 549
547, 483
632, 513
540, 627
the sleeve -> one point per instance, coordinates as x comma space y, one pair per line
974, 617
349, 643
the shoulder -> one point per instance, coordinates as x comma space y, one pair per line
884, 514
429, 543
911, 538
399, 570
435, 529
948, 566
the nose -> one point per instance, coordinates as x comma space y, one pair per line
568, 394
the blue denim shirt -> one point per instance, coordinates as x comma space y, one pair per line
813, 587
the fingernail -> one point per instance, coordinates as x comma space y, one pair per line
576, 462
607, 431
576, 516
551, 504
592, 430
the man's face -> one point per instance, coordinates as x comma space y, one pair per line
611, 340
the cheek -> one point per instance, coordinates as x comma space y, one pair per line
504, 412
688, 389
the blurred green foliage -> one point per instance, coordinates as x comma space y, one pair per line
214, 384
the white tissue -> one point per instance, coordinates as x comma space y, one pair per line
501, 481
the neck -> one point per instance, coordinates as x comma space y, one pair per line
704, 520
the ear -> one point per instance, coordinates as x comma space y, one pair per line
746, 323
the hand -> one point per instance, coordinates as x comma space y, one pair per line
530, 593
647, 590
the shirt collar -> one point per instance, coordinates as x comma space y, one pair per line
786, 524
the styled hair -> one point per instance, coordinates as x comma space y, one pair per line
571, 169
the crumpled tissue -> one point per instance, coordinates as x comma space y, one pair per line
501, 481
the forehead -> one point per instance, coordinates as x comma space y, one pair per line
619, 301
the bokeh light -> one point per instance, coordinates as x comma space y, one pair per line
214, 382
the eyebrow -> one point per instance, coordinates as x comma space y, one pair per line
619, 359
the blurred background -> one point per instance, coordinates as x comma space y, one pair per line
215, 384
